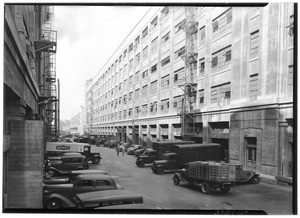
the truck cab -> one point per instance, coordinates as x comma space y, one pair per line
148, 157
168, 163
91, 152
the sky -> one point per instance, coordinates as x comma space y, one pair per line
86, 38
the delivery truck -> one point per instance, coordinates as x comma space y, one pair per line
159, 148
179, 155
208, 175
91, 152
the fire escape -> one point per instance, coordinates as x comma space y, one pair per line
45, 47
189, 86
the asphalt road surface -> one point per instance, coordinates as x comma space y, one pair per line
159, 191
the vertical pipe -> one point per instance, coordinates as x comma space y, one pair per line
58, 107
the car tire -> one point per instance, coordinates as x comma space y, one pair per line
53, 203
142, 163
160, 170
176, 180
205, 188
96, 160
254, 180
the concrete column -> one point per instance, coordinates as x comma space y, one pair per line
15, 109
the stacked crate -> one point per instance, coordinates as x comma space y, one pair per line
212, 171
218, 172
197, 170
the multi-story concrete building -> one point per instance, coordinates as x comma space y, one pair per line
208, 74
29, 114
77, 122
65, 127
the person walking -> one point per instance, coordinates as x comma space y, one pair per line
118, 150
123, 151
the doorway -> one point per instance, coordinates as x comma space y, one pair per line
251, 151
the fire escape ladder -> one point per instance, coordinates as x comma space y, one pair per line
45, 48
189, 86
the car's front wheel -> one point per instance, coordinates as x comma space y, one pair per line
160, 170
53, 203
254, 180
176, 180
96, 160
141, 163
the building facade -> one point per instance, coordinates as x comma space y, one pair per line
29, 114
65, 127
77, 122
207, 74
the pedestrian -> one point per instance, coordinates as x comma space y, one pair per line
118, 150
123, 151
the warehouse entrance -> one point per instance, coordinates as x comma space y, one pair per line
224, 156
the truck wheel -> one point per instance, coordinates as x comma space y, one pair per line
154, 170
176, 180
160, 170
224, 189
141, 163
205, 188
96, 160
53, 203
254, 180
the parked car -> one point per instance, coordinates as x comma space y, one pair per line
140, 151
127, 145
133, 149
66, 163
55, 194
61, 177
95, 200
146, 158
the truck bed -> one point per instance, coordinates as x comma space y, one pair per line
212, 171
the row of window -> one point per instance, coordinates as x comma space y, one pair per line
217, 25
220, 60
220, 93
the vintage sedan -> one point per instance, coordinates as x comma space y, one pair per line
66, 163
66, 176
131, 150
57, 193
96, 199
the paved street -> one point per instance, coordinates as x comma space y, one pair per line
159, 192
